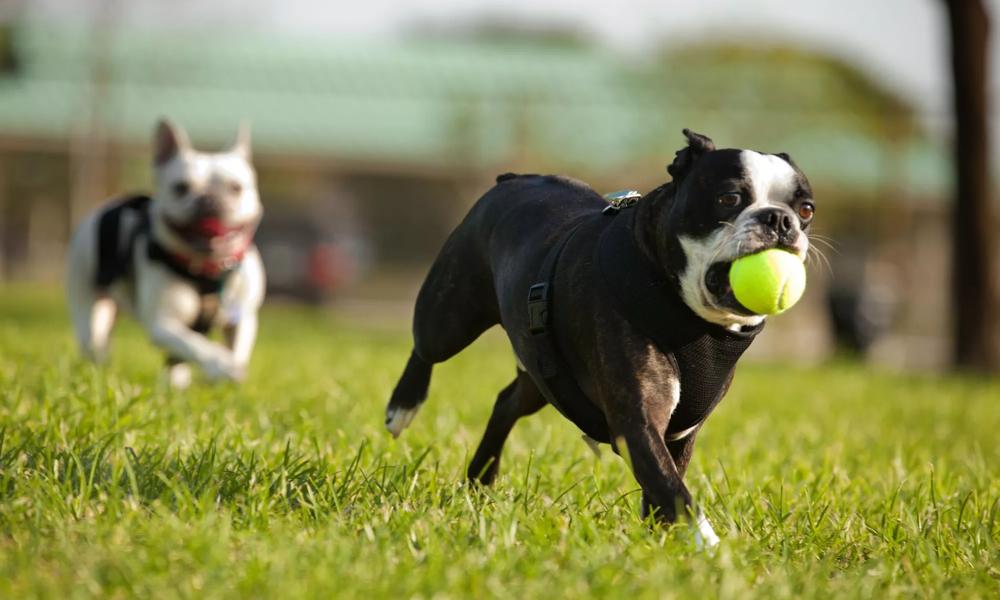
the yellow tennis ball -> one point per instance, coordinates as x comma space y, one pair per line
768, 282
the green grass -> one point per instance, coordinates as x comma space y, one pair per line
823, 482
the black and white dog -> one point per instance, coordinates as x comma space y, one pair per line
620, 317
181, 260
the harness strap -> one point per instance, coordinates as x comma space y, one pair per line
205, 284
705, 354
556, 381
115, 257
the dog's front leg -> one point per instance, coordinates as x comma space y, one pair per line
639, 421
663, 491
217, 361
240, 337
241, 308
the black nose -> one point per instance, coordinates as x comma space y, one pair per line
778, 220
207, 204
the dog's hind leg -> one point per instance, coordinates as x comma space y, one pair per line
93, 319
409, 394
519, 399
456, 304
92, 310
93, 315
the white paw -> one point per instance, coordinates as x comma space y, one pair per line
222, 368
704, 536
398, 419
179, 376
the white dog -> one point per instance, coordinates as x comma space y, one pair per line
181, 261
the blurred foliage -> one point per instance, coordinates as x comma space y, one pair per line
506, 31
784, 78
8, 55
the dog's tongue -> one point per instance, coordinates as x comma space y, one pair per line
210, 227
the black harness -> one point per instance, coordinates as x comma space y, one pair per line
705, 354
116, 251
557, 383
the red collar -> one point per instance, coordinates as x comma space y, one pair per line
209, 267
207, 274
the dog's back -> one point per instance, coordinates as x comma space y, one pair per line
509, 228
504, 235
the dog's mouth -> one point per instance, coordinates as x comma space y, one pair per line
210, 233
717, 284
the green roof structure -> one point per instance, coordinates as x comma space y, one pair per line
461, 104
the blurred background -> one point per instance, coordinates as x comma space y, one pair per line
376, 125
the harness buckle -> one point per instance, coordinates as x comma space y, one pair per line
620, 199
538, 307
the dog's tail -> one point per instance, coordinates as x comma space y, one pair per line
410, 393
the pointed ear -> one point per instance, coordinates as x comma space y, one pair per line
242, 144
685, 157
168, 141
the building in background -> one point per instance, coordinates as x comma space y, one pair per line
368, 155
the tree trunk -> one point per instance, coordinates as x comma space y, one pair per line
974, 290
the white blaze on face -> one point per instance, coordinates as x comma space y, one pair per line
770, 176
701, 254
232, 167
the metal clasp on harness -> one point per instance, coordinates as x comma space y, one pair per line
620, 199
538, 307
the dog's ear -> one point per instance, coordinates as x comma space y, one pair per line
784, 156
698, 144
168, 141
242, 144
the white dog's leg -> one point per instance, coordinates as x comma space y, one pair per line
102, 321
93, 313
93, 319
241, 309
178, 376
216, 360
241, 338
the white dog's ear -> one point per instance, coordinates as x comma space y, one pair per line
242, 144
168, 141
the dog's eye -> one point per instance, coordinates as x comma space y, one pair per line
181, 188
806, 211
235, 188
730, 199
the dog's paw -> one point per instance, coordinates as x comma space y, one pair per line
398, 419
179, 376
704, 536
224, 368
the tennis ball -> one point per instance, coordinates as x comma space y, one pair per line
768, 282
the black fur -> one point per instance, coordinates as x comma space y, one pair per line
411, 390
482, 276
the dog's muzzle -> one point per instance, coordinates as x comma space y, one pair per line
717, 284
207, 233
772, 230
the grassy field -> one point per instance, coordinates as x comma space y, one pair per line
822, 482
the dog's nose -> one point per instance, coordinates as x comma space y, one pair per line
208, 204
778, 220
